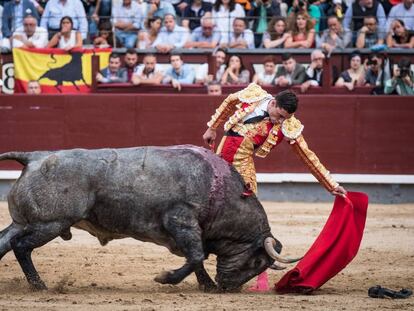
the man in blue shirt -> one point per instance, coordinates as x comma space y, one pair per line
158, 8
179, 73
205, 36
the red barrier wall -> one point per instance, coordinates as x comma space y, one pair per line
351, 134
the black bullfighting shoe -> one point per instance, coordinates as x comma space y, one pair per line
382, 292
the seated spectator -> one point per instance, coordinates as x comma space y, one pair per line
355, 13
147, 36
205, 36
375, 75
29, 35
240, 37
67, 38
314, 71
13, 13
290, 73
179, 73
160, 8
202, 75
214, 88
399, 37
130, 62
194, 12
334, 36
224, 12
267, 76
403, 11
312, 10
369, 34
149, 72
127, 20
402, 81
113, 73
171, 35
276, 35
105, 36
261, 12
55, 10
301, 32
33, 87
235, 72
355, 75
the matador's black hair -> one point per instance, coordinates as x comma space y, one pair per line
287, 100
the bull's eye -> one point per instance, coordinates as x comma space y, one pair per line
257, 262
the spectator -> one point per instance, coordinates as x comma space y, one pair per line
369, 34
194, 12
358, 10
262, 11
355, 75
127, 20
313, 11
403, 11
202, 75
147, 36
171, 35
374, 73
130, 62
149, 72
399, 37
314, 71
33, 87
179, 73
266, 76
214, 88
113, 73
55, 10
334, 36
240, 37
224, 13
235, 72
290, 73
29, 35
105, 36
276, 34
67, 38
102, 11
205, 36
302, 34
13, 13
402, 81
160, 8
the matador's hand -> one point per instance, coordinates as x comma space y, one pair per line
339, 190
210, 136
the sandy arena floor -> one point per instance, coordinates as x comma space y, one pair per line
82, 275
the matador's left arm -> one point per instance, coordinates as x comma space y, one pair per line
292, 130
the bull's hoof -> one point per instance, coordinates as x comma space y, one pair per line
166, 277
208, 288
38, 285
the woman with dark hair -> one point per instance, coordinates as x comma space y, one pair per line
235, 72
105, 36
67, 38
400, 37
301, 31
355, 75
276, 34
147, 36
224, 12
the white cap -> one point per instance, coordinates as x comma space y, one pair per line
337, 1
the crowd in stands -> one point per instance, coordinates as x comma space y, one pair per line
166, 25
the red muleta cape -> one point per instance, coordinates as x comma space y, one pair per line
333, 250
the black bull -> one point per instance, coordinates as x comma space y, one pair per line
182, 197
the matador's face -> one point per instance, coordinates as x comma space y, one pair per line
277, 115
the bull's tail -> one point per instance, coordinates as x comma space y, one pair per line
22, 157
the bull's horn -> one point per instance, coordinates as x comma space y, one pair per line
269, 245
275, 266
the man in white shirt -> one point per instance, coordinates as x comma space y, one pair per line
149, 72
240, 37
56, 9
171, 35
403, 11
127, 20
29, 35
